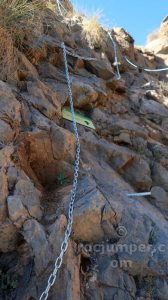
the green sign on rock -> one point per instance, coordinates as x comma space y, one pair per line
80, 118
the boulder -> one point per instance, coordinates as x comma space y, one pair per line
9, 236
6, 132
118, 86
88, 213
153, 110
17, 212
26, 71
5, 162
44, 99
102, 69
29, 196
159, 45
9, 113
116, 125
159, 176
121, 285
35, 236
161, 288
138, 174
3, 195
160, 198
83, 94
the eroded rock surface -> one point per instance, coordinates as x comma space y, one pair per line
118, 249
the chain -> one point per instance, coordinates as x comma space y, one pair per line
64, 245
81, 57
116, 62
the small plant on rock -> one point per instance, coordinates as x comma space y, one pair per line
163, 85
61, 179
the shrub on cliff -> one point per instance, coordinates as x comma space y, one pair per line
17, 18
92, 30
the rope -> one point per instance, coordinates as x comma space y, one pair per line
116, 62
59, 4
145, 69
62, 7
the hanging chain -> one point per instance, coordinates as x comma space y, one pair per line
64, 245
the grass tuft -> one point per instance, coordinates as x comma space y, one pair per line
16, 19
92, 29
14, 11
8, 57
52, 6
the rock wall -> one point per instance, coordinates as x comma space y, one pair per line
118, 248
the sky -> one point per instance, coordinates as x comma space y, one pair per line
138, 17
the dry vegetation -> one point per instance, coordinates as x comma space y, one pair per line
14, 11
16, 16
8, 57
91, 29
163, 85
19, 21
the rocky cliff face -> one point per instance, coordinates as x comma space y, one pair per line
119, 247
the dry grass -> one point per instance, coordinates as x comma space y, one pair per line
52, 6
16, 17
8, 57
163, 85
91, 29
13, 12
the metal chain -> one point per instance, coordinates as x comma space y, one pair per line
81, 57
116, 62
64, 245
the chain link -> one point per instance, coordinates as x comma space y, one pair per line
64, 245
81, 57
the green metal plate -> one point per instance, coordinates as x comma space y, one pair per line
80, 118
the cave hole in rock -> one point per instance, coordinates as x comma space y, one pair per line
85, 264
47, 158
45, 163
